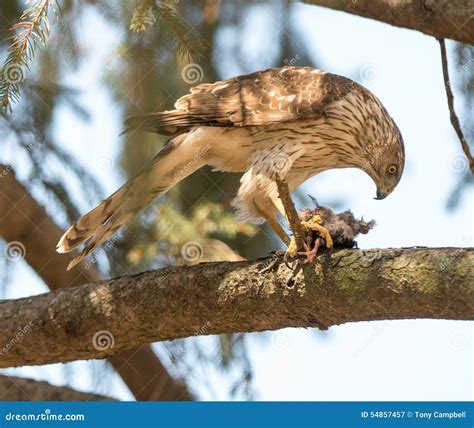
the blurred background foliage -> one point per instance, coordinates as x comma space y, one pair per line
157, 39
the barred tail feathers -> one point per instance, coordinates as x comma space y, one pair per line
172, 164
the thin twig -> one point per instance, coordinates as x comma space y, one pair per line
293, 218
453, 116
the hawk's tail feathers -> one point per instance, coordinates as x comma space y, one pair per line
96, 226
167, 122
172, 164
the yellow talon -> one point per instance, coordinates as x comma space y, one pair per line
292, 247
315, 224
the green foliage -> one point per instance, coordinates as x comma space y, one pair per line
150, 12
33, 30
143, 16
204, 228
27, 36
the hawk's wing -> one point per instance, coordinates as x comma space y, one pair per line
261, 98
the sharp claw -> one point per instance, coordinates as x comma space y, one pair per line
315, 224
310, 253
310, 256
287, 262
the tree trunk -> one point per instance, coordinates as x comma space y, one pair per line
100, 319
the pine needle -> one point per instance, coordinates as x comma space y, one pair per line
143, 16
28, 35
149, 12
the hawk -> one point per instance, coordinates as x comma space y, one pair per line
288, 123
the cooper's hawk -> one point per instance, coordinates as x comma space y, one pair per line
290, 122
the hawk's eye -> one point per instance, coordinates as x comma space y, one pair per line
392, 169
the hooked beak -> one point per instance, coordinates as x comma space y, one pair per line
380, 194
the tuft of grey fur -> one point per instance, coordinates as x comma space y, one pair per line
343, 227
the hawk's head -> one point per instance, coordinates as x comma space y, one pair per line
363, 135
386, 163
384, 151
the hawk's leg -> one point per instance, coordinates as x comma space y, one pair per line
272, 220
298, 243
291, 215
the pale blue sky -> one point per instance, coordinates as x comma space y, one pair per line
398, 360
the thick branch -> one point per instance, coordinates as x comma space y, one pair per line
443, 19
21, 389
25, 221
97, 320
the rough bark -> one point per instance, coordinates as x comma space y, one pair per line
22, 219
21, 389
99, 319
443, 19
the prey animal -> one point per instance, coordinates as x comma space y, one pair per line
327, 229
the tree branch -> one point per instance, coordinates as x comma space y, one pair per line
26, 222
452, 113
99, 319
21, 389
443, 19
